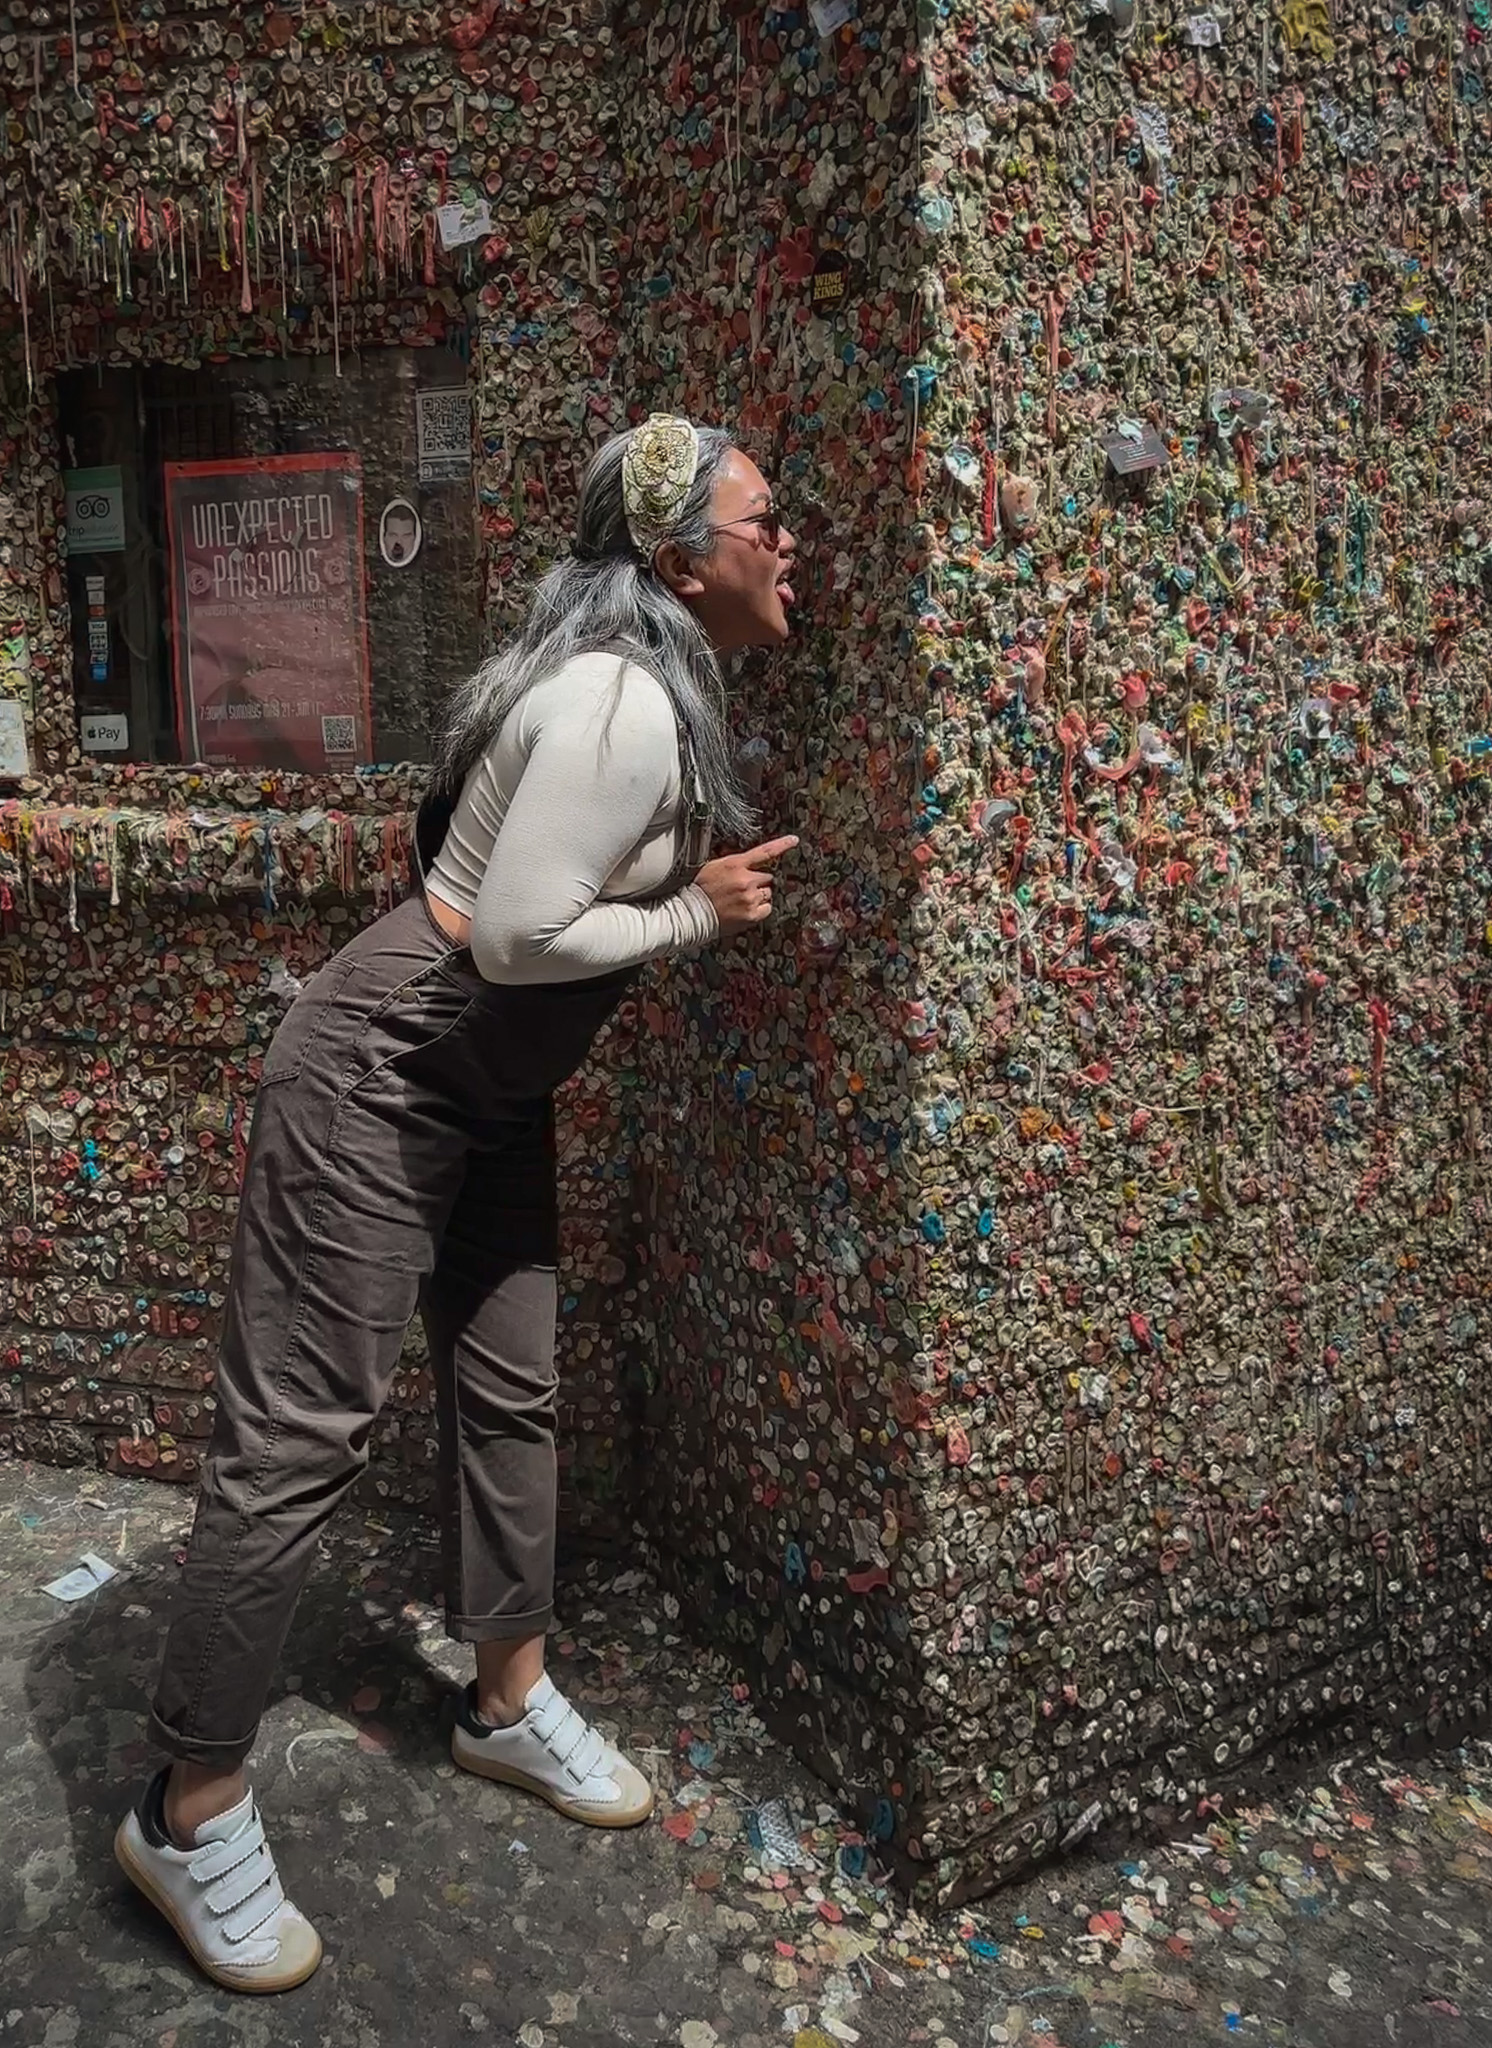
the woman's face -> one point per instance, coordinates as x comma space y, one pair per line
740, 593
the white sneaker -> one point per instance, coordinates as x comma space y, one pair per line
555, 1752
223, 1896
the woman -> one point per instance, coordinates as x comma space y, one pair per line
402, 1157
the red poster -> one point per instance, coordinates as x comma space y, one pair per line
268, 625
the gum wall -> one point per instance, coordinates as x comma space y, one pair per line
1118, 1419
1033, 1303
214, 196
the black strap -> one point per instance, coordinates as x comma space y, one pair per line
432, 822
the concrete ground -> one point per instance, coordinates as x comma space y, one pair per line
744, 1916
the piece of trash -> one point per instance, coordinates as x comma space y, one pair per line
366, 1700
315, 1735
1340, 1983
1237, 409
1117, 865
1089, 1818
770, 1830
993, 817
1133, 448
83, 1579
1155, 132
963, 465
284, 984
386, 1881
517, 1848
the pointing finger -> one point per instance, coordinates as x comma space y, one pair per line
772, 849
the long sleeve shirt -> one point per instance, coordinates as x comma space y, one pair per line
575, 809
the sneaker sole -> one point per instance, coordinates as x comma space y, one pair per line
231, 1980
591, 1816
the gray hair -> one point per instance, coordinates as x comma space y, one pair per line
605, 595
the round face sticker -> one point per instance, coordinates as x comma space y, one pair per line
400, 533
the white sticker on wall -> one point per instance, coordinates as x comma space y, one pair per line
400, 533
1204, 32
95, 511
443, 434
829, 15
461, 222
103, 732
15, 755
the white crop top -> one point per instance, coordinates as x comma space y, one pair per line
577, 806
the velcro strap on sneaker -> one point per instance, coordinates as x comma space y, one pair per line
589, 1755
575, 1744
215, 1861
263, 1906
239, 1885
551, 1717
567, 1737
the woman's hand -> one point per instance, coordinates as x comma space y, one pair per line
740, 885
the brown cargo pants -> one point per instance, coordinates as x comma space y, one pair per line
402, 1157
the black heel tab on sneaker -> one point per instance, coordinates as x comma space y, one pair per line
151, 1811
467, 1715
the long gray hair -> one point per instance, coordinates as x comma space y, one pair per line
605, 595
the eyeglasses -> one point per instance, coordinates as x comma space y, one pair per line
770, 523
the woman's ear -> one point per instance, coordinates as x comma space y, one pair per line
677, 571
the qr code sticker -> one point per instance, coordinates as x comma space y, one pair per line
444, 438
339, 734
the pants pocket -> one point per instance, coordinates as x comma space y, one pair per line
303, 1023
406, 1030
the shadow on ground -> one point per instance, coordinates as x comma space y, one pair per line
745, 1914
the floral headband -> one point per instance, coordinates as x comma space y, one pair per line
659, 466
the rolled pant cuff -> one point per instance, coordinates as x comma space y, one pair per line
498, 1628
194, 1749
